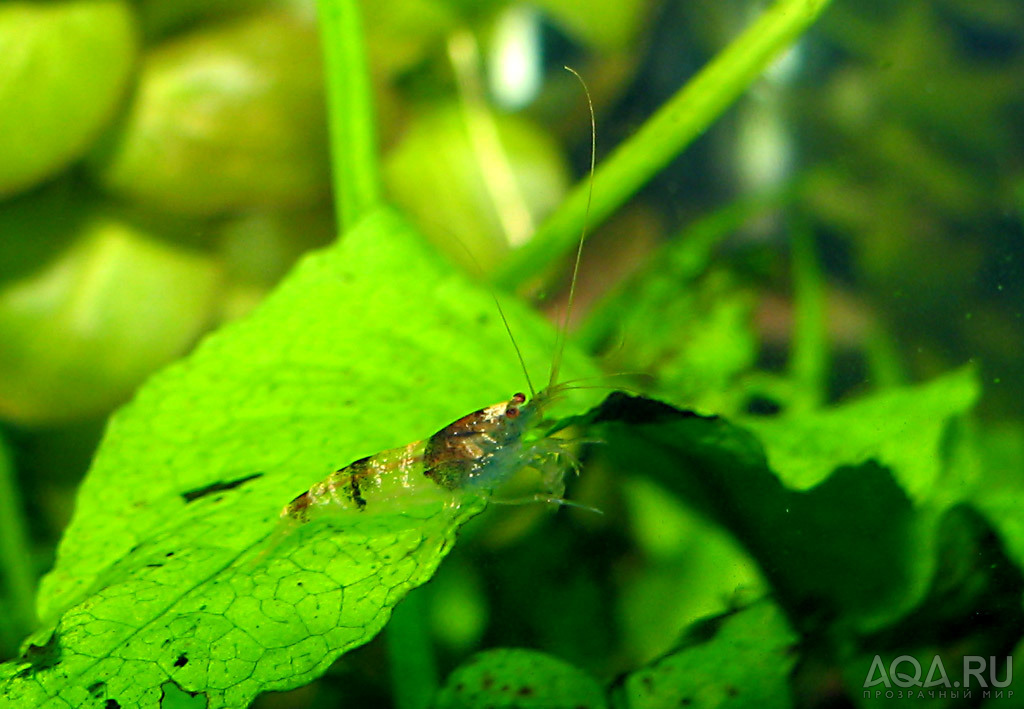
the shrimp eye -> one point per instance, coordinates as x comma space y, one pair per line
512, 412
519, 397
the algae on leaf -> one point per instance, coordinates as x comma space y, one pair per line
513, 678
165, 574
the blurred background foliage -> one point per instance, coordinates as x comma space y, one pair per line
854, 223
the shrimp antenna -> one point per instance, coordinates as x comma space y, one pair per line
519, 353
504, 320
563, 329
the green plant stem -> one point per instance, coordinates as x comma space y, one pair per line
414, 676
809, 360
884, 365
675, 125
15, 558
354, 165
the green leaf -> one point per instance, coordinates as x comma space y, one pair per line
250, 91
66, 65
683, 550
444, 147
844, 549
368, 345
519, 679
902, 428
972, 607
84, 331
1001, 496
741, 659
1004, 510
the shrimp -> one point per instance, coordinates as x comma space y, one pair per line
470, 456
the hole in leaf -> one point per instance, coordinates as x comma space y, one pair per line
200, 492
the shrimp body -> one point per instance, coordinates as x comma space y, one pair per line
383, 475
472, 455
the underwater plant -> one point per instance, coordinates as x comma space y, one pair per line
774, 531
